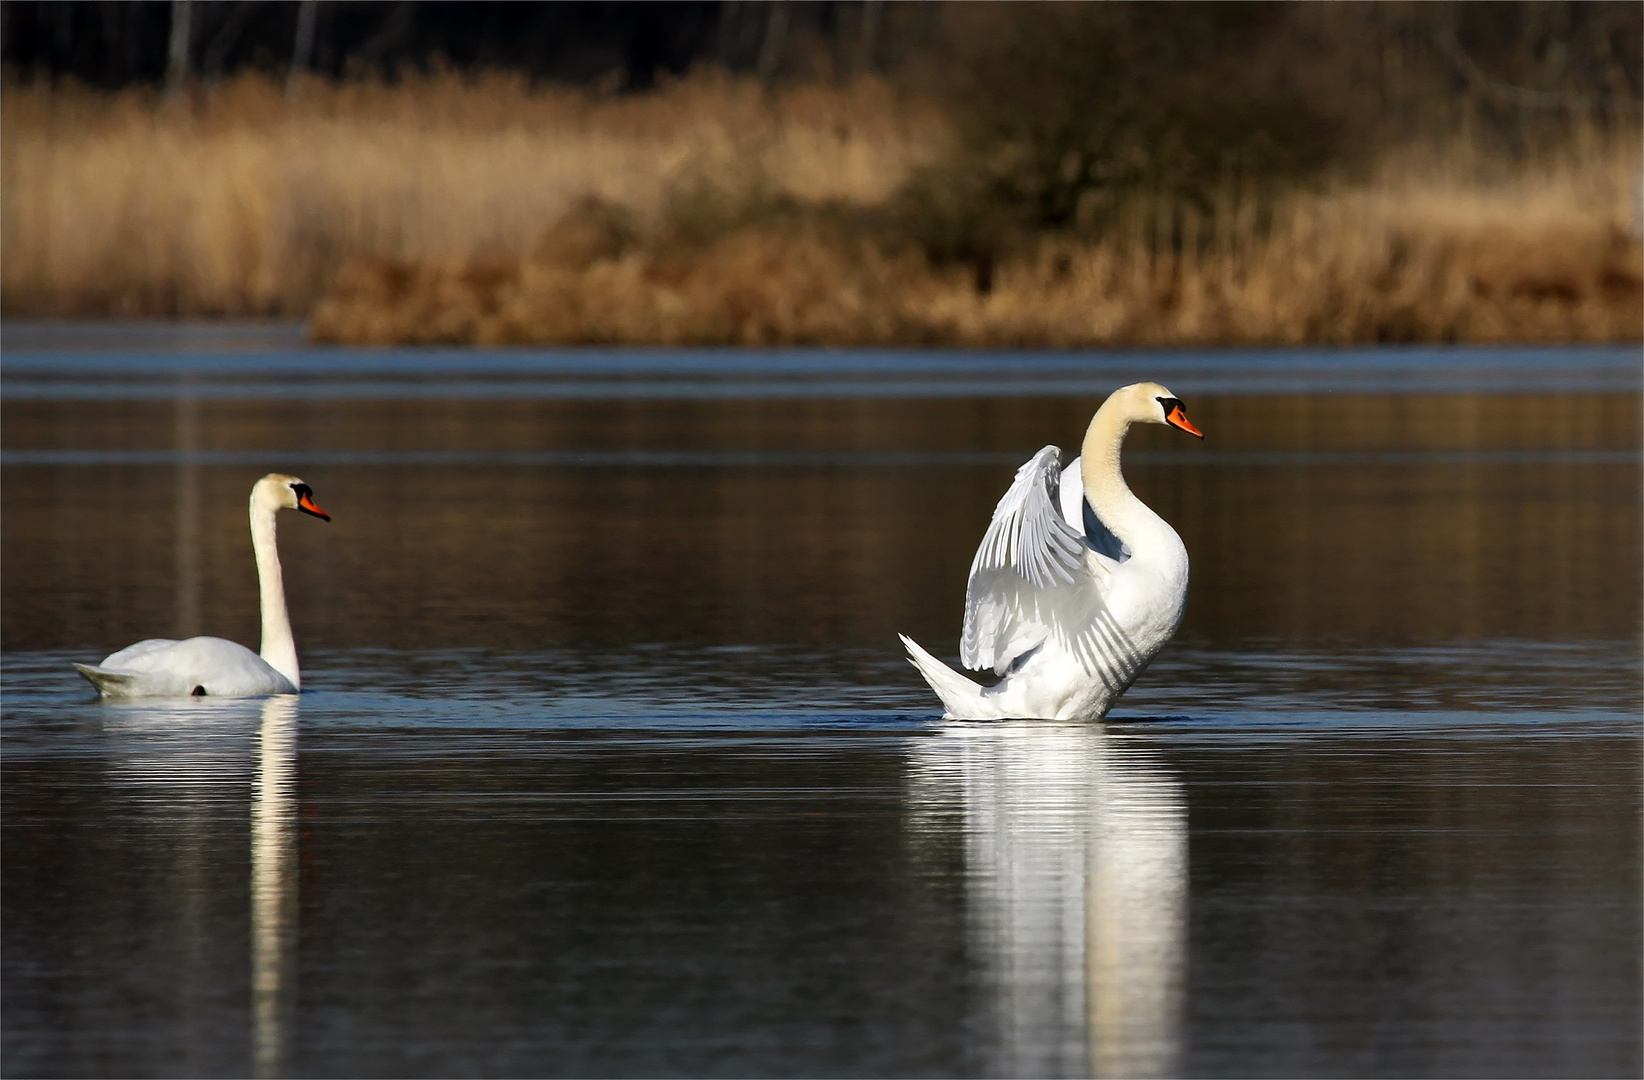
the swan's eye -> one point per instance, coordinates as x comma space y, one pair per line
1169, 403
306, 503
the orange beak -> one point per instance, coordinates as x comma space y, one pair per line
1178, 419
308, 506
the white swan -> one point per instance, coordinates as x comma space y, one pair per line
1069, 597
210, 666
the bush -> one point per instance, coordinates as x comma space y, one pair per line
1067, 112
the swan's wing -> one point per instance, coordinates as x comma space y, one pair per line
1034, 578
137, 657
1072, 494
162, 668
1027, 533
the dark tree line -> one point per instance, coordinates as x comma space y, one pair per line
113, 43
1519, 56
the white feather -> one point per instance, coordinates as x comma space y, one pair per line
1034, 578
211, 666
1075, 586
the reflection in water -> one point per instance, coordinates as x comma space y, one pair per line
178, 755
274, 886
189, 757
182, 766
1076, 864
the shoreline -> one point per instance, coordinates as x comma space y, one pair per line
720, 212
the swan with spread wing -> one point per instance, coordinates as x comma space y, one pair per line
1077, 583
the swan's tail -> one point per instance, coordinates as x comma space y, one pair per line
109, 683
962, 698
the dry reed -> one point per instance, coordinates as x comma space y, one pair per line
715, 211
242, 203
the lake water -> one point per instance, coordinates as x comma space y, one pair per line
607, 761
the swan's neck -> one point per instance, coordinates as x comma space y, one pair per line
279, 650
1126, 516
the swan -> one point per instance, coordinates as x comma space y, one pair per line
1077, 584
211, 666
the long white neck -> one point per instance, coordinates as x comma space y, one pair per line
1121, 511
279, 650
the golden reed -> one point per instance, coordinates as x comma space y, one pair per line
718, 211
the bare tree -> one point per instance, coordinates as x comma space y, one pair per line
177, 55
867, 42
302, 50
776, 28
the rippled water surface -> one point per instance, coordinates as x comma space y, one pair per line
607, 761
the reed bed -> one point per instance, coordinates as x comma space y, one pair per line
239, 202
717, 211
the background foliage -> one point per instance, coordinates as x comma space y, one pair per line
849, 170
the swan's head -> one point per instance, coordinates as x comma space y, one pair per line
281, 492
1150, 403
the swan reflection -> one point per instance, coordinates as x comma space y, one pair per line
179, 754
185, 760
274, 885
1076, 882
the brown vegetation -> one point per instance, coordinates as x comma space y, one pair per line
714, 210
242, 202
1538, 259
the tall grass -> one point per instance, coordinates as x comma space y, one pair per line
444, 209
240, 202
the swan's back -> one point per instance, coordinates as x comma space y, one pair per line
199, 666
135, 657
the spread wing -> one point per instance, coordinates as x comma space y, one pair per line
1035, 578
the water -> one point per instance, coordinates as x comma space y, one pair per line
608, 763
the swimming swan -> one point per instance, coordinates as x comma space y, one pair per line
1077, 583
210, 666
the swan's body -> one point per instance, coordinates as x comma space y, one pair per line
1077, 584
212, 666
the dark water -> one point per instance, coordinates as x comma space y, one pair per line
608, 764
